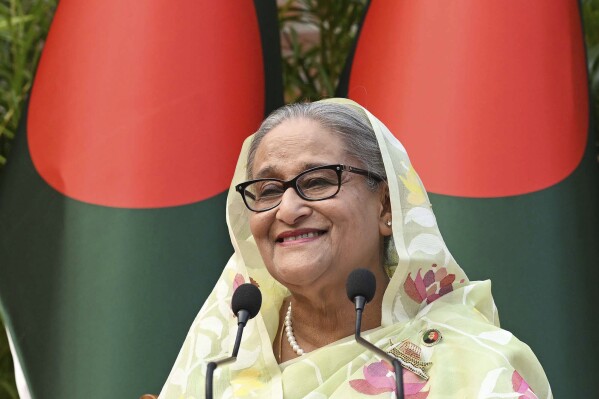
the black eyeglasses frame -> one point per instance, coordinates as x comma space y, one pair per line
339, 168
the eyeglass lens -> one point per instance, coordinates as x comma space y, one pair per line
314, 185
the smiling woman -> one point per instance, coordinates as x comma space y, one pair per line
310, 246
321, 190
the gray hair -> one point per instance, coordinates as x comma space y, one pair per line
350, 123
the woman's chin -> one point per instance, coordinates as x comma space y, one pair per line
294, 277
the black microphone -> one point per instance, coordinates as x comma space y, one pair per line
360, 287
245, 304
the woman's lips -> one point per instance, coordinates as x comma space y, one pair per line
299, 236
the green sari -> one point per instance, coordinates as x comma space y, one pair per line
442, 327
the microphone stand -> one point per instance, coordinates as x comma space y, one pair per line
242, 318
360, 301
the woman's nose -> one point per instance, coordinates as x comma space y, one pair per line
292, 208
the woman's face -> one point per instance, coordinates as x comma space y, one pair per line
314, 245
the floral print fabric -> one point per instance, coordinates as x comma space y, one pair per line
427, 290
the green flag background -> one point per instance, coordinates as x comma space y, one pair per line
491, 101
112, 208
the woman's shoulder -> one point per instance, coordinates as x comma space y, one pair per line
465, 349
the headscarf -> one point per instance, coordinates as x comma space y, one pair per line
428, 295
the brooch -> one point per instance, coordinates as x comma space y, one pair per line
410, 357
431, 337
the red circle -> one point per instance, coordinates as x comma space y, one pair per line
489, 97
145, 105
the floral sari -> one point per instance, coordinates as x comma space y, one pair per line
442, 327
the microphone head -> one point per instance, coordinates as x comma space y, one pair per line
361, 282
247, 297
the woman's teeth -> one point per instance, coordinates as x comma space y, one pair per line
305, 235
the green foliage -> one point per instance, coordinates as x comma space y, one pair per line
590, 16
312, 70
590, 19
23, 28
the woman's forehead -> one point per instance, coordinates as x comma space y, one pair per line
296, 145
274, 171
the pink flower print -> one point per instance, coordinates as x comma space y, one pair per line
521, 386
237, 281
379, 377
433, 285
412, 385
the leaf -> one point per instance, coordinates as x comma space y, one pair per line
10, 22
245, 359
416, 194
315, 395
421, 216
203, 346
23, 28
179, 377
212, 324
427, 243
489, 383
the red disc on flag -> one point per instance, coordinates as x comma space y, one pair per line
489, 97
145, 105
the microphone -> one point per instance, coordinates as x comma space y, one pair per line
360, 287
245, 304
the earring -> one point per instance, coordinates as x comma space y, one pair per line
388, 223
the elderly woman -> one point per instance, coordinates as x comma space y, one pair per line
320, 190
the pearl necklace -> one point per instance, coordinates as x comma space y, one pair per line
289, 330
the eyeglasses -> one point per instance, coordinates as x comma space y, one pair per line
315, 184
